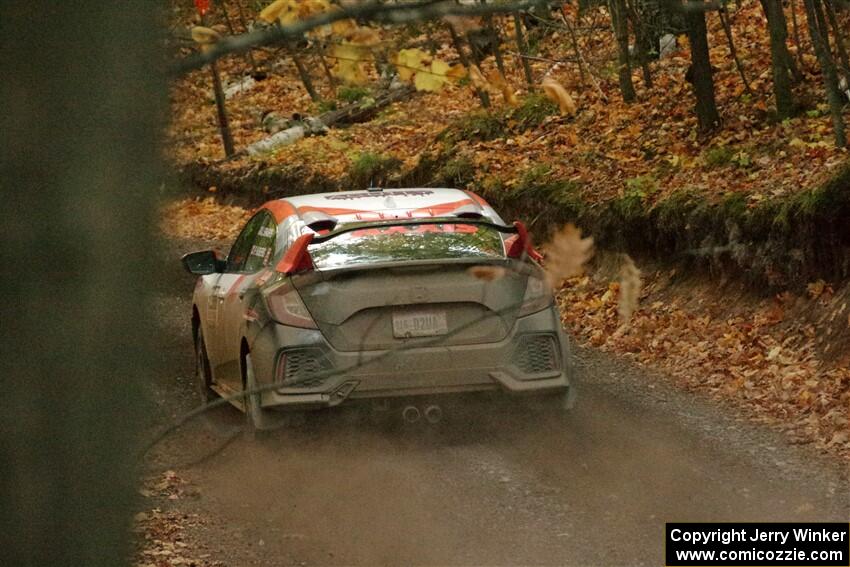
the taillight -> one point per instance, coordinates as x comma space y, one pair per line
285, 306
537, 296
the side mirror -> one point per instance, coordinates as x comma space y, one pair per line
202, 263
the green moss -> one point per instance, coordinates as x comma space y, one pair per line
533, 110
370, 168
456, 172
830, 200
734, 205
326, 106
351, 94
535, 176
672, 213
718, 156
539, 183
629, 207
490, 185
642, 186
480, 125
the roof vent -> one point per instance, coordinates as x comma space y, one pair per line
318, 221
468, 212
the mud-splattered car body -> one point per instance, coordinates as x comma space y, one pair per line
380, 294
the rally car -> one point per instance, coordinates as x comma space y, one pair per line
395, 298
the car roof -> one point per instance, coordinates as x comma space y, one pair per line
381, 204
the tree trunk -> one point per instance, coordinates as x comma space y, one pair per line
701, 74
839, 36
79, 153
620, 24
817, 30
779, 56
464, 60
305, 77
641, 42
522, 49
796, 30
497, 45
221, 111
286, 132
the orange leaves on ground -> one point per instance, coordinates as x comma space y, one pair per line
763, 356
203, 219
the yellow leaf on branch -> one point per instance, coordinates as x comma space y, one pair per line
350, 60
408, 62
434, 80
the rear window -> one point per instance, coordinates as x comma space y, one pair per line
372, 245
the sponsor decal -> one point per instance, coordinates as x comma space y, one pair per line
266, 232
380, 194
416, 229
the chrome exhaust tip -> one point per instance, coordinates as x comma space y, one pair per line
411, 414
434, 414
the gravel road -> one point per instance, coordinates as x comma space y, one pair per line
486, 487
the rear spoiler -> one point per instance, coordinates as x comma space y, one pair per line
297, 258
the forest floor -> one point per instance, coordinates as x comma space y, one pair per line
607, 150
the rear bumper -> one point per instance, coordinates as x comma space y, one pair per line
502, 366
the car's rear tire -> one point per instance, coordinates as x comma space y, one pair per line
257, 420
203, 376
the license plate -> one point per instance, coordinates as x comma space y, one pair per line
419, 324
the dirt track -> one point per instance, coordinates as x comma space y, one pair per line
592, 489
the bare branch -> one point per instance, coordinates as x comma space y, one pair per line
419, 10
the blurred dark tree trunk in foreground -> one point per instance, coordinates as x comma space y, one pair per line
80, 106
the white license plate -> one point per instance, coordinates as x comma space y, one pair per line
419, 324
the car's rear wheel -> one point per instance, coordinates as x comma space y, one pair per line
257, 420
203, 376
